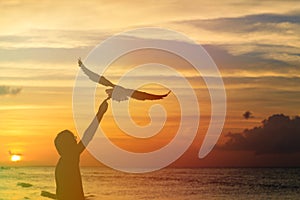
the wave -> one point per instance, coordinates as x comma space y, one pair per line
25, 185
53, 196
4, 168
48, 194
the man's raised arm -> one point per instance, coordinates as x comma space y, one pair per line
92, 128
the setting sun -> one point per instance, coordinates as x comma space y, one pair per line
15, 158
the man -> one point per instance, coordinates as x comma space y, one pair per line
67, 172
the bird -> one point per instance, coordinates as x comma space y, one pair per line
117, 92
248, 115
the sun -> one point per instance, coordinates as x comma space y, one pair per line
15, 158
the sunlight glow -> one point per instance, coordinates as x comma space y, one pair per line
15, 158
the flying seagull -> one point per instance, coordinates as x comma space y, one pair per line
117, 92
248, 115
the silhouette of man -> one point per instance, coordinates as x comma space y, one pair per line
67, 172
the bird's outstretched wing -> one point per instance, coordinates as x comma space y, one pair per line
139, 95
119, 93
122, 94
95, 77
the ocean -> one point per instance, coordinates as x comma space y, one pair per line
23, 183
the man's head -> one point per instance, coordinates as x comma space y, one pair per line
65, 142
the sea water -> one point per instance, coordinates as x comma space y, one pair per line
20, 183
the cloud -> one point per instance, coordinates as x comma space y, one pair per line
268, 37
7, 90
256, 59
48, 38
48, 55
267, 22
277, 134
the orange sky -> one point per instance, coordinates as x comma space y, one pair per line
256, 51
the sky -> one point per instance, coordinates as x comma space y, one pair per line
255, 44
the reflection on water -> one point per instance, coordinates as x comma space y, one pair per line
167, 184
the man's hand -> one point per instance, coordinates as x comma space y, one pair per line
104, 105
80, 62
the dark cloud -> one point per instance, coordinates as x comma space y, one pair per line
6, 90
277, 134
248, 23
13, 153
266, 52
253, 60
